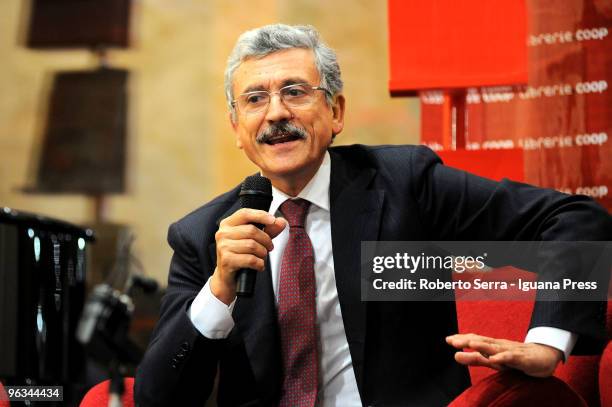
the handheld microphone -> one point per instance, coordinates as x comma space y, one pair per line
255, 193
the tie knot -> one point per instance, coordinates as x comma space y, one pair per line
294, 210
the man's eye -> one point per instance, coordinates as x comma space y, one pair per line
255, 99
294, 92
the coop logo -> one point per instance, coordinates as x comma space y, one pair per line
591, 87
562, 37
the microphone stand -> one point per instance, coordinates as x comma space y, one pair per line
104, 324
117, 386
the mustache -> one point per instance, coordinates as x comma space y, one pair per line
280, 129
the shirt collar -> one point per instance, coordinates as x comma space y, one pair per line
316, 191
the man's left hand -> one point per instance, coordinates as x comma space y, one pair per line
532, 358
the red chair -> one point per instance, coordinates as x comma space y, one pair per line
605, 375
605, 366
513, 388
97, 396
3, 397
587, 377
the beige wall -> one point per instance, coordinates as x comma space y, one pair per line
182, 149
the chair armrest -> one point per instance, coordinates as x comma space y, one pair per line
514, 388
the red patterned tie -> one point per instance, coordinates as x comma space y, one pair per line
297, 311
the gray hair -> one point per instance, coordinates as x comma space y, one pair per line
265, 40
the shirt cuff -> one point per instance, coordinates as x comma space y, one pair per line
210, 315
554, 337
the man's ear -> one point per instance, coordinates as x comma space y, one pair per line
338, 114
234, 122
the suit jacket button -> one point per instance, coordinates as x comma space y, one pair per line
185, 346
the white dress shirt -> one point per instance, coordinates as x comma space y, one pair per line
337, 383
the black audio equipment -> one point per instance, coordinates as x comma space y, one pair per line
43, 266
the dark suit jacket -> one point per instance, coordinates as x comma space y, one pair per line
398, 349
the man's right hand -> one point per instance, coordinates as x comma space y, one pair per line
241, 245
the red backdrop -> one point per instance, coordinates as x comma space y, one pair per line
561, 117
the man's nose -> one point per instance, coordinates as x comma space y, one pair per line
277, 110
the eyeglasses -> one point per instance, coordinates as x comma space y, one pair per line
299, 95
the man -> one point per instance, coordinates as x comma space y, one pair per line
285, 347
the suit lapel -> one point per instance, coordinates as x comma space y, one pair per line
255, 320
355, 217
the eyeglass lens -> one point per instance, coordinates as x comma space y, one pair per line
297, 95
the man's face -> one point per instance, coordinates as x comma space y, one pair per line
293, 162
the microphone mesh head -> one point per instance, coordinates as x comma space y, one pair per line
256, 193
